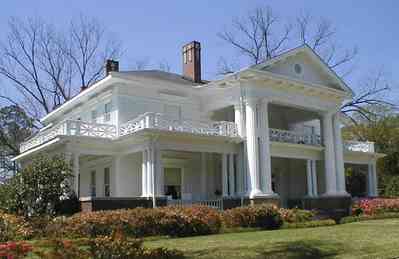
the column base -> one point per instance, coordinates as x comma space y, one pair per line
335, 194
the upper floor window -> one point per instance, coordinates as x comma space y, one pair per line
93, 191
107, 184
94, 115
107, 112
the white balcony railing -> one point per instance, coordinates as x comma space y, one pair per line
70, 128
145, 121
358, 146
294, 137
163, 122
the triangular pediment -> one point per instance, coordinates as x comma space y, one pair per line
305, 65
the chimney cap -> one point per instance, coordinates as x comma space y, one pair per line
111, 66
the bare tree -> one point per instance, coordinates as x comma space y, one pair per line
262, 35
48, 66
370, 102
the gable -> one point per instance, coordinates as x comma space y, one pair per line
302, 67
304, 64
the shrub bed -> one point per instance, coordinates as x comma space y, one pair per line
350, 219
172, 221
263, 216
296, 215
14, 228
375, 206
310, 224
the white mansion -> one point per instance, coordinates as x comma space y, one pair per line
268, 132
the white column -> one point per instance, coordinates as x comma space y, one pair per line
252, 148
117, 192
238, 119
329, 155
225, 182
265, 157
240, 171
372, 180
314, 178
339, 156
68, 160
232, 189
159, 173
76, 172
144, 173
150, 171
203, 176
309, 178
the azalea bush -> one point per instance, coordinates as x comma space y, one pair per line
13, 227
296, 215
14, 250
140, 222
263, 216
375, 206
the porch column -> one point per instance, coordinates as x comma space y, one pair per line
115, 191
232, 182
68, 156
239, 119
329, 155
252, 148
150, 171
309, 178
225, 183
339, 156
144, 173
159, 173
372, 180
76, 173
240, 171
264, 143
314, 178
203, 176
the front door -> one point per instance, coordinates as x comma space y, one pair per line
173, 183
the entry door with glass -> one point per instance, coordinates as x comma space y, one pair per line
173, 183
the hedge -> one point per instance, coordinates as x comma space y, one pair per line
351, 219
310, 224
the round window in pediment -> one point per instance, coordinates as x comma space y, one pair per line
298, 69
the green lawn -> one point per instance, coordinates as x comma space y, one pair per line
368, 239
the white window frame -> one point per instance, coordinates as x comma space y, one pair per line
107, 113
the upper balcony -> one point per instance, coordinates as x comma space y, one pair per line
162, 122
146, 121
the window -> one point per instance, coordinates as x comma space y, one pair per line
190, 58
107, 112
298, 69
185, 57
93, 183
93, 115
107, 189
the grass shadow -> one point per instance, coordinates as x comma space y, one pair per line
309, 249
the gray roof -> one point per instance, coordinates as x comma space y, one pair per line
157, 75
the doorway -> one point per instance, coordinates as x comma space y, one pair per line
173, 183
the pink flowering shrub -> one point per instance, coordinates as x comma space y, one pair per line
375, 206
14, 250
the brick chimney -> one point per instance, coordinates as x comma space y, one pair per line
192, 61
111, 66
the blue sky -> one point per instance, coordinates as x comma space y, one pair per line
157, 29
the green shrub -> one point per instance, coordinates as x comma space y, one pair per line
263, 216
350, 219
296, 215
310, 224
14, 228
